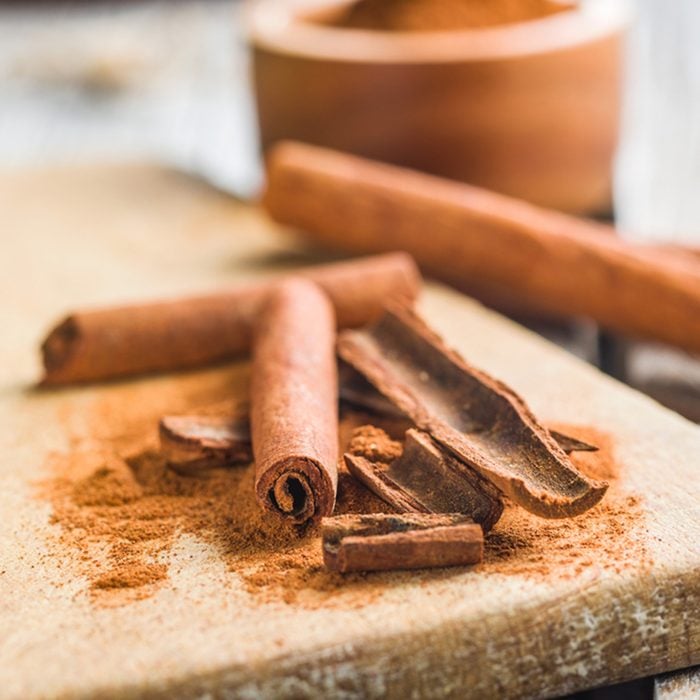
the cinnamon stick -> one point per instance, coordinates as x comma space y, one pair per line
194, 443
384, 542
294, 403
495, 247
92, 345
484, 423
423, 478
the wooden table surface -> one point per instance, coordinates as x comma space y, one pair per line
613, 599
81, 81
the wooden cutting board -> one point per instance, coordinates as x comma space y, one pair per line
556, 606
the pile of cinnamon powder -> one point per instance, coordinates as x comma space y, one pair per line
118, 510
432, 15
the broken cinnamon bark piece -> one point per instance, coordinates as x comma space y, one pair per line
383, 542
357, 391
571, 444
421, 477
191, 444
484, 423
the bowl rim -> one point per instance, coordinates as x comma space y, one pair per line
282, 26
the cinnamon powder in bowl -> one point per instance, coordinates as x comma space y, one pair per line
518, 96
436, 15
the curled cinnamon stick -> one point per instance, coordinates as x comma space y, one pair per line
423, 478
383, 542
294, 403
93, 345
495, 247
481, 420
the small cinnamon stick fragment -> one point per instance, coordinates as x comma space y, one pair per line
383, 542
423, 478
484, 423
93, 345
191, 444
294, 403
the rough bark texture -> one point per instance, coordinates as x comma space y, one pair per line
501, 249
425, 478
92, 345
294, 404
357, 391
401, 541
481, 420
192, 443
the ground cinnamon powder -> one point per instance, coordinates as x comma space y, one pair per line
431, 15
118, 510
374, 444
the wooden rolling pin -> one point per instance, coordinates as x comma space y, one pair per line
493, 246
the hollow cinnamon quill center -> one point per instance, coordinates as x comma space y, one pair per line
59, 344
292, 495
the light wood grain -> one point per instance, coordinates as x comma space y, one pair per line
99, 235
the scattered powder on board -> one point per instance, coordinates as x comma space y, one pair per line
118, 510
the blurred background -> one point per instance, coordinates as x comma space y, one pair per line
164, 81
172, 82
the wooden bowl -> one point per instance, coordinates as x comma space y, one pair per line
529, 109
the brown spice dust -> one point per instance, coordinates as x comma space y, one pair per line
431, 15
611, 535
119, 510
373, 444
